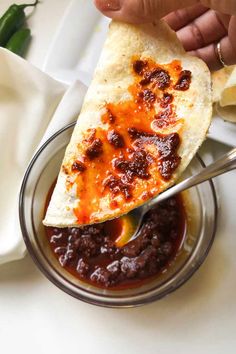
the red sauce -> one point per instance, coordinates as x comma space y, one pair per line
92, 253
118, 167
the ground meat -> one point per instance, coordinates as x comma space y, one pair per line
100, 276
129, 267
114, 268
82, 267
91, 254
87, 245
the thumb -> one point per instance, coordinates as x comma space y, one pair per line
140, 11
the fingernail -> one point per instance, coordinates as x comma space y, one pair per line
111, 5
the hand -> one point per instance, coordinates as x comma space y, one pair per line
200, 25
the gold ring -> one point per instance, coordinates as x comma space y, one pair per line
219, 54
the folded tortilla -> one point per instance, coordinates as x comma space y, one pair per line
224, 92
82, 194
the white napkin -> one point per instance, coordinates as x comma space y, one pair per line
33, 106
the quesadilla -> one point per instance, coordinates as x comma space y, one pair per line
144, 116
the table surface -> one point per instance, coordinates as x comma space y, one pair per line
200, 317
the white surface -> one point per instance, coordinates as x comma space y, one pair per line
43, 22
223, 131
198, 318
77, 44
76, 47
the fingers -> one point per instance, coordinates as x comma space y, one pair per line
198, 27
199, 33
208, 54
227, 47
181, 18
223, 6
228, 44
140, 11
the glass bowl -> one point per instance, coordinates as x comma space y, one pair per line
200, 204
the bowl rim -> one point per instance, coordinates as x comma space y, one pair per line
102, 303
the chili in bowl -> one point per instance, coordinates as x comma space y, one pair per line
93, 263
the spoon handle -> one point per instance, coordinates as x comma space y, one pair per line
224, 164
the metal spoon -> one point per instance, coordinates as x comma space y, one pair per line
226, 163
